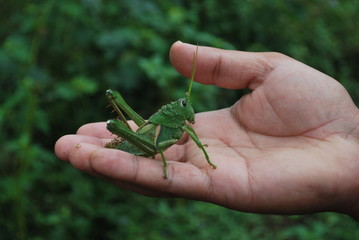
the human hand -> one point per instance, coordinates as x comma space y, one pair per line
290, 146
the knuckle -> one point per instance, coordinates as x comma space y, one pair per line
217, 69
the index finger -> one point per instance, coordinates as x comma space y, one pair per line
223, 68
97, 129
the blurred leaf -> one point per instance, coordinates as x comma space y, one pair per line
17, 49
76, 87
83, 85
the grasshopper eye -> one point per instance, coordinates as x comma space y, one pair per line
184, 103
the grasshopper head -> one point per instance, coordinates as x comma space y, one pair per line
174, 113
187, 109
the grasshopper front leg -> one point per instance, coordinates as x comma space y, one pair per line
164, 162
190, 131
164, 145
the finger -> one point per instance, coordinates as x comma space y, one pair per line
68, 148
97, 129
223, 68
110, 164
137, 188
143, 174
65, 144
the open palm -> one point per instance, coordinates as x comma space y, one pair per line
290, 146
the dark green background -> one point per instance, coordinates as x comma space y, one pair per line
57, 58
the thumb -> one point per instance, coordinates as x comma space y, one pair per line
223, 68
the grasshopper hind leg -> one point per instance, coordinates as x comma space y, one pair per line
119, 104
133, 142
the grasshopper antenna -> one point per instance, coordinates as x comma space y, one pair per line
194, 64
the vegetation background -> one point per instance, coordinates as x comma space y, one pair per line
57, 58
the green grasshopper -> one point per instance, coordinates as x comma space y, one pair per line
162, 130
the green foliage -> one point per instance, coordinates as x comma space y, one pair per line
57, 58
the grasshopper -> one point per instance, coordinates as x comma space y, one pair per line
162, 130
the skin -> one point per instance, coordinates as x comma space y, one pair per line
291, 146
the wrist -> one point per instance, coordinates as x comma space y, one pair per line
352, 182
